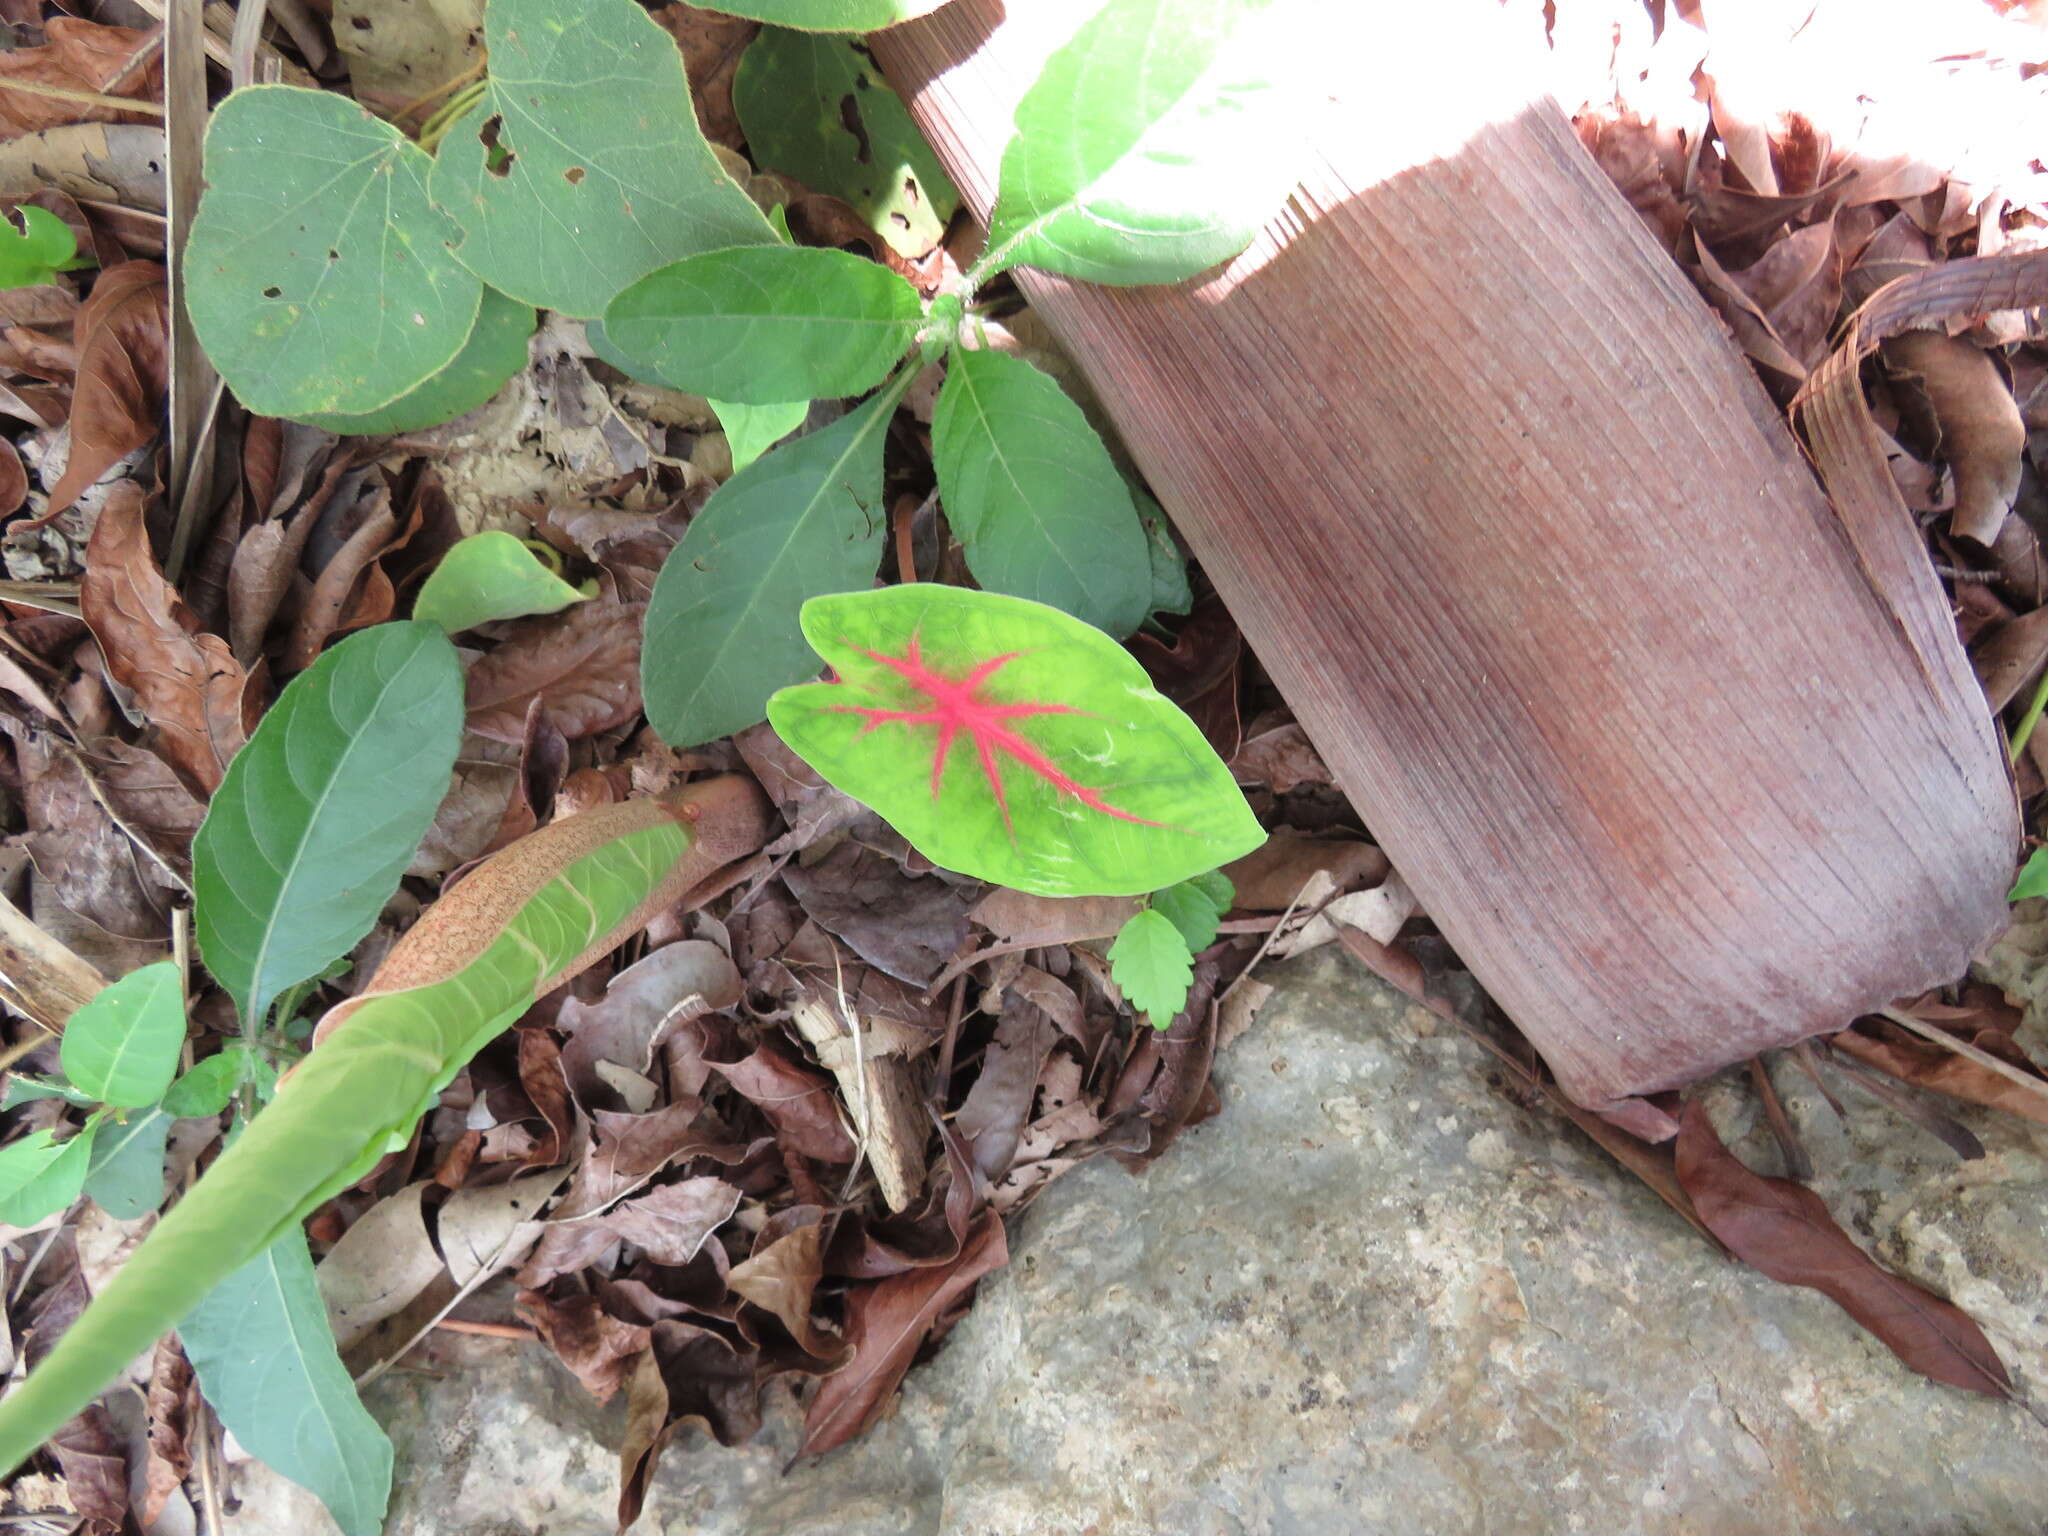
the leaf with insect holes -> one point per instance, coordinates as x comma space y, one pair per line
583, 167
1149, 960
1152, 145
496, 350
318, 276
1010, 741
36, 252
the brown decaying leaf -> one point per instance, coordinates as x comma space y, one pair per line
92, 866
384, 1260
597, 1347
326, 608
80, 56
1269, 878
13, 480
1282, 759
642, 1005
906, 925
993, 1114
711, 45
1785, 1230
123, 339
1982, 435
802, 1105
583, 664
185, 682
2009, 656
670, 1223
1885, 1046
781, 1278
168, 1453
886, 1324
95, 1470
1020, 919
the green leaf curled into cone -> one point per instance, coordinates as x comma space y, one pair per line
495, 350
1010, 741
38, 250
529, 918
320, 813
583, 168
1151, 147
1149, 960
765, 324
319, 277
122, 1046
487, 576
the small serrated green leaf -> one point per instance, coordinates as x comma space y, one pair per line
122, 1046
764, 325
751, 430
487, 576
583, 168
125, 1177
40, 1175
36, 251
1150, 962
318, 275
1151, 147
1193, 910
817, 109
1034, 496
2033, 877
495, 350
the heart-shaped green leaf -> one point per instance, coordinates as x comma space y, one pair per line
722, 629
318, 276
1034, 495
490, 575
582, 168
122, 1046
769, 323
1151, 147
36, 252
495, 350
817, 109
320, 813
1010, 741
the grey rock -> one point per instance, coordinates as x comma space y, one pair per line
1376, 1295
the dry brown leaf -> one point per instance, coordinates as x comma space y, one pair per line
123, 339
993, 1115
1283, 759
1982, 435
711, 46
384, 1260
79, 56
641, 1007
489, 1227
781, 1278
185, 682
906, 925
597, 1347
168, 1453
671, 1223
327, 606
1018, 918
13, 480
92, 867
583, 665
801, 1105
1269, 878
2009, 656
95, 1470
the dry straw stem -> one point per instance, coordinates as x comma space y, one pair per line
1685, 761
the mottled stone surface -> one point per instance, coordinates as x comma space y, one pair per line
1374, 1295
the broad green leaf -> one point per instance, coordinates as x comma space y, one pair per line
767, 324
816, 109
265, 1358
1149, 960
830, 15
1194, 907
608, 175
1034, 496
722, 631
1010, 741
487, 576
751, 430
1170, 590
122, 1046
2033, 878
22, 1089
495, 350
318, 276
126, 1175
1152, 146
40, 1175
38, 250
320, 813
518, 925
205, 1090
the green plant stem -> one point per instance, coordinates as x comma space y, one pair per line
435, 128
2035, 706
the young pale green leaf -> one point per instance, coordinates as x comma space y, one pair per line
2033, 877
318, 275
764, 325
264, 1354
583, 168
320, 813
125, 1177
1151, 147
1194, 907
751, 430
722, 630
40, 1175
1170, 590
122, 1047
205, 1090
38, 250
1150, 961
22, 1089
1034, 496
1010, 741
830, 15
816, 109
489, 575
495, 350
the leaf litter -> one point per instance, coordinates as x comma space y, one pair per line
779, 1138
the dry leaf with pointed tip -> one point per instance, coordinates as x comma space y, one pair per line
781, 1279
383, 1261
1272, 876
669, 1224
1982, 433
124, 352
1016, 917
491, 1227
169, 1455
643, 1005
583, 665
802, 1105
596, 1346
906, 925
95, 1469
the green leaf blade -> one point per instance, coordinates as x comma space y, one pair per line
832, 15
609, 175
320, 813
318, 275
751, 430
1034, 495
1194, 908
266, 1360
764, 325
36, 252
125, 1176
122, 1046
1149, 960
205, 1090
40, 1175
1148, 150
493, 353
2033, 877
723, 623
1106, 788
487, 576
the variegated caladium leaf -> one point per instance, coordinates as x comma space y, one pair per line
1010, 741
